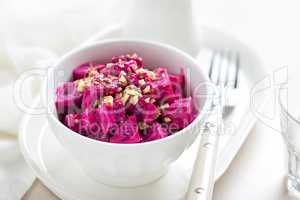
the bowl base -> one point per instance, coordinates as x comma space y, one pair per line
129, 182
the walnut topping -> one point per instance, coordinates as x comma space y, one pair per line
93, 73
147, 89
132, 93
122, 80
88, 82
100, 77
123, 73
125, 98
132, 90
151, 75
142, 72
134, 100
80, 85
142, 82
167, 119
108, 100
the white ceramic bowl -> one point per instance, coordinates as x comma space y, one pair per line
126, 165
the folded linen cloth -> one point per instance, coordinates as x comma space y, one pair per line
15, 176
30, 36
33, 30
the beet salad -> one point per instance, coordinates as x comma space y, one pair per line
124, 101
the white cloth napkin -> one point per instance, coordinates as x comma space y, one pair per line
15, 175
30, 37
33, 33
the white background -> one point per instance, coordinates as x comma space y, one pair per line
271, 27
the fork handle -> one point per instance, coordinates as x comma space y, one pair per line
202, 180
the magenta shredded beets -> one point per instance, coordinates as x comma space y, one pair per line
124, 102
155, 132
90, 96
68, 98
127, 132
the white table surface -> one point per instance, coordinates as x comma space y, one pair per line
258, 171
270, 26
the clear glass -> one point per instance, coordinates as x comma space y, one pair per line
289, 100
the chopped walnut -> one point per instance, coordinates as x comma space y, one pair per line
142, 82
80, 85
167, 119
141, 71
123, 80
125, 98
132, 90
152, 75
134, 100
147, 89
93, 73
123, 73
108, 100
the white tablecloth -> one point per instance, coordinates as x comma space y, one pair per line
258, 171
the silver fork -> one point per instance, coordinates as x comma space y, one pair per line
224, 74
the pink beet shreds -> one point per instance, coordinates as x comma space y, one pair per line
124, 102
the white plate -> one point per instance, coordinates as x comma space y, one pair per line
61, 174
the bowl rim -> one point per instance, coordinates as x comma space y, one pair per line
197, 121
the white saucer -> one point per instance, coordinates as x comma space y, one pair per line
60, 173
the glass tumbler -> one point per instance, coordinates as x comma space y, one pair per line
289, 103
